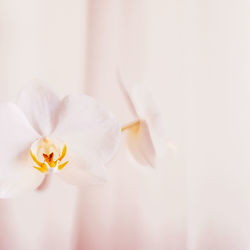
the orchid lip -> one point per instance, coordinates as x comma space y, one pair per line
44, 151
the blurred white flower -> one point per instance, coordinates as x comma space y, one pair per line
73, 138
146, 136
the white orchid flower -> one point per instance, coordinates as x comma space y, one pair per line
73, 138
146, 135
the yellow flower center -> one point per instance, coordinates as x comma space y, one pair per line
44, 147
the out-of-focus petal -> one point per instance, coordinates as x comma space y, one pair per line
40, 106
149, 111
141, 145
86, 125
143, 101
125, 90
157, 131
150, 140
16, 133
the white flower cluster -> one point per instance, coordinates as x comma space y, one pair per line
73, 138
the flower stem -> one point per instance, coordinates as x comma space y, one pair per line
131, 125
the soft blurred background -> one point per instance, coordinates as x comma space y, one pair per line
195, 56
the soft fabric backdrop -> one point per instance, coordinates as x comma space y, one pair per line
195, 56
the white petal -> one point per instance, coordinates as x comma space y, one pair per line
149, 111
143, 101
83, 170
139, 98
87, 126
125, 88
157, 132
144, 107
17, 135
21, 178
141, 145
40, 106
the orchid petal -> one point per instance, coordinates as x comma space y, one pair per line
21, 178
150, 141
149, 111
140, 145
125, 88
89, 130
16, 133
82, 169
39, 105
143, 101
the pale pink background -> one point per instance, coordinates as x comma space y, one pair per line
195, 56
